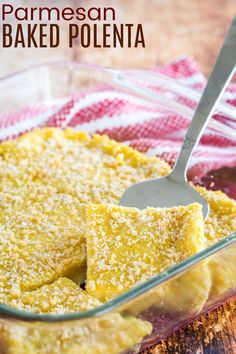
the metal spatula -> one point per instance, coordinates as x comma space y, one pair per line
174, 189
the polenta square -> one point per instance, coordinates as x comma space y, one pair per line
62, 296
42, 238
93, 169
126, 246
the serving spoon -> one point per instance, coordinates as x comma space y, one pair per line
174, 189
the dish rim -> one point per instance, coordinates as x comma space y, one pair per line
52, 64
140, 289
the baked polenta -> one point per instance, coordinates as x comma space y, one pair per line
61, 226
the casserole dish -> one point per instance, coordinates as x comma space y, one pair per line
141, 316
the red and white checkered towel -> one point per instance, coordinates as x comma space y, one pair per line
108, 111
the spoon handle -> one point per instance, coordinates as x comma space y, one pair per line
221, 74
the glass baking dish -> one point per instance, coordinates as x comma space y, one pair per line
152, 310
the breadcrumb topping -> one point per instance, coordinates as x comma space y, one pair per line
94, 170
40, 239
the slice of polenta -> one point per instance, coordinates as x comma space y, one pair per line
126, 246
42, 238
62, 296
220, 223
93, 169
21, 270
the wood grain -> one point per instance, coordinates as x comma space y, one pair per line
172, 28
214, 333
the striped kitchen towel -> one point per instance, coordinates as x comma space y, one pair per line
151, 129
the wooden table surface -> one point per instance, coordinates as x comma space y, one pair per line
172, 29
